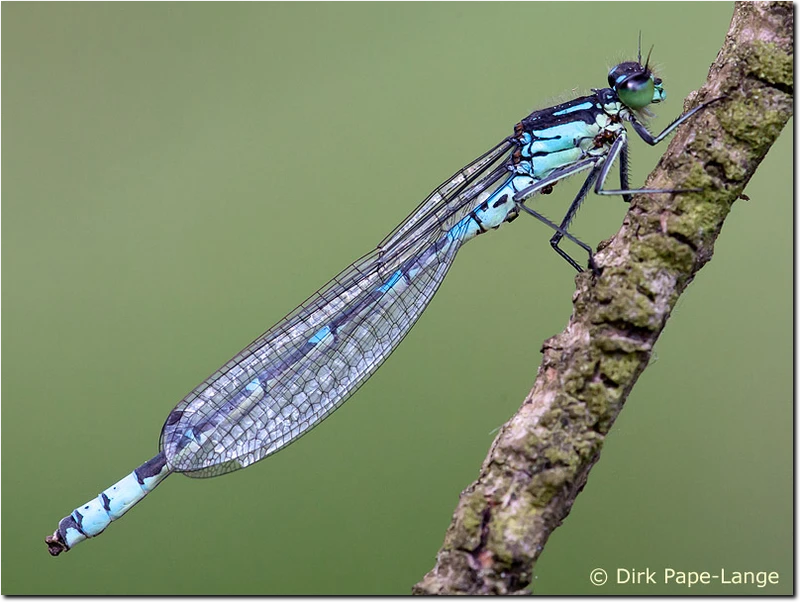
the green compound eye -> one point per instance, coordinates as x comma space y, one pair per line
636, 92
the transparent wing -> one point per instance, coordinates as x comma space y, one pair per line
440, 203
297, 373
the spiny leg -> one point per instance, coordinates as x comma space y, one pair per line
645, 135
624, 183
566, 235
561, 231
619, 148
564, 226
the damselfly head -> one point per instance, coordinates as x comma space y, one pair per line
636, 85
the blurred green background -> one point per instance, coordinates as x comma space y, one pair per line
179, 176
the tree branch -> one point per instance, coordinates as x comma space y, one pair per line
541, 458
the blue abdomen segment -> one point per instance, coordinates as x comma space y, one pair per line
495, 209
93, 517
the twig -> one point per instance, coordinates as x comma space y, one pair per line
541, 458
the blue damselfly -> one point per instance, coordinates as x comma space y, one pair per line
302, 369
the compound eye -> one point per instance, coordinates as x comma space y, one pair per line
636, 91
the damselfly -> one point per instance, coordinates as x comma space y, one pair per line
297, 373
